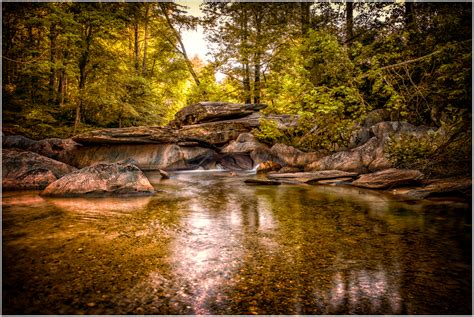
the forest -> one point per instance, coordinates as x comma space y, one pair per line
72, 67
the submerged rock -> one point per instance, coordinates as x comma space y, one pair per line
164, 174
389, 178
253, 181
102, 180
28, 170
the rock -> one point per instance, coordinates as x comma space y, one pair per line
145, 156
288, 155
336, 181
245, 142
213, 111
133, 135
363, 159
214, 133
253, 181
283, 121
17, 141
384, 129
310, 177
102, 180
235, 161
358, 137
289, 169
454, 186
389, 178
23, 170
268, 166
376, 116
163, 174
62, 150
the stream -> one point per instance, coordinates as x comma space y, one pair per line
206, 243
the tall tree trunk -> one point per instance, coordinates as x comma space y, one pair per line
145, 43
83, 62
408, 14
52, 59
135, 47
305, 17
182, 49
349, 21
257, 57
62, 81
246, 63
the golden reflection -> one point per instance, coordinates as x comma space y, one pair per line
100, 207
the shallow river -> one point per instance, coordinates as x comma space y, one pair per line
208, 244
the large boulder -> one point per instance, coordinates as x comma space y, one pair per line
389, 178
365, 158
17, 141
23, 170
213, 133
245, 142
288, 155
213, 111
62, 150
384, 129
102, 180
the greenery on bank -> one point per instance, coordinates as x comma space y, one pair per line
71, 67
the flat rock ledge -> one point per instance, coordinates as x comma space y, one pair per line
448, 187
102, 180
312, 177
389, 178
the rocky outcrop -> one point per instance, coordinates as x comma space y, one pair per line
311, 177
389, 178
62, 150
28, 170
145, 156
448, 187
102, 180
213, 111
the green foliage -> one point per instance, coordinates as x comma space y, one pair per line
446, 151
268, 132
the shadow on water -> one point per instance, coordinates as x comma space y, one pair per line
207, 244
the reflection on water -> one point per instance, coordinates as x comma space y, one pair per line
207, 244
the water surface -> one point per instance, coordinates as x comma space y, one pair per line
208, 244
